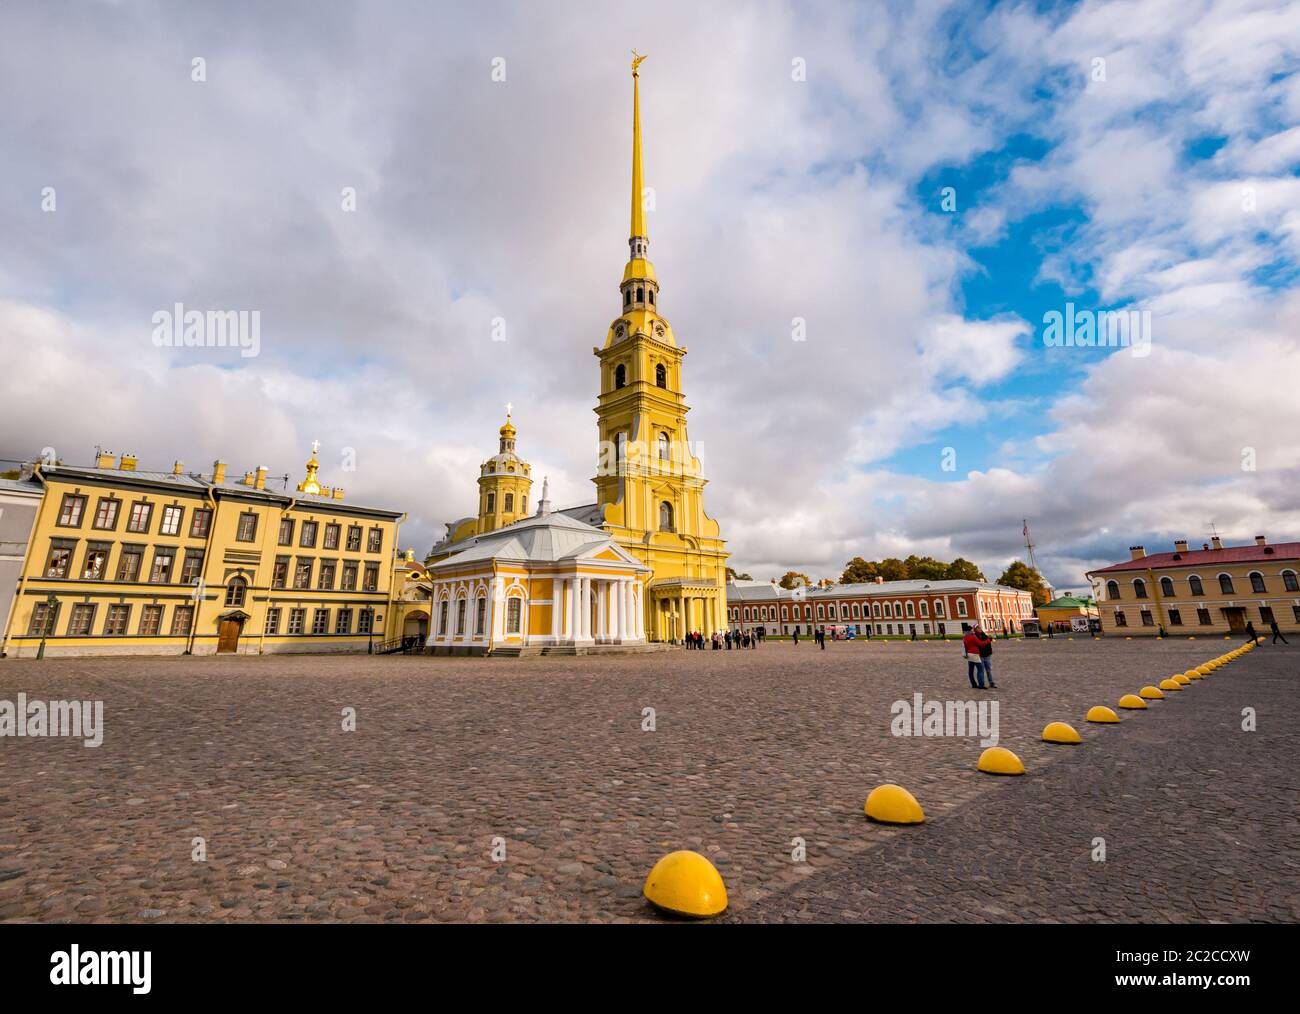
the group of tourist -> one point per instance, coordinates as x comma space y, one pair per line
696, 641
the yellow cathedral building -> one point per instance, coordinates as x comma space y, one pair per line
642, 564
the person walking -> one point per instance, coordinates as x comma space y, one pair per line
1273, 629
986, 656
970, 651
1250, 630
796, 636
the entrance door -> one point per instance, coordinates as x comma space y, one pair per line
1236, 620
228, 635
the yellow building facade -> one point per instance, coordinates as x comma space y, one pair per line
131, 562
649, 483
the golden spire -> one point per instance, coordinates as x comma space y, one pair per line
309, 484
638, 208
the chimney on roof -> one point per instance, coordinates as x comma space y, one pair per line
337, 494
1180, 545
218, 472
106, 459
1137, 552
127, 463
1218, 542
248, 479
260, 480
1259, 540
178, 468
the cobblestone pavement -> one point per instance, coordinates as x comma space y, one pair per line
395, 821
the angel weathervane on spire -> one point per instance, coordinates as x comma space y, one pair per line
636, 62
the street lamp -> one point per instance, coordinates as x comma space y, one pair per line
48, 628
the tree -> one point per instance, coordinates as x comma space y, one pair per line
963, 570
893, 569
859, 571
924, 568
792, 578
733, 576
1020, 575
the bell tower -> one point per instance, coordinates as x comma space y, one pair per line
504, 483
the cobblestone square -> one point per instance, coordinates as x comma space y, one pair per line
396, 821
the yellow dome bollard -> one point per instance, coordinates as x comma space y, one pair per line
893, 804
1151, 694
1170, 685
1132, 702
685, 883
1204, 670
1181, 679
1191, 674
1061, 732
997, 760
1101, 713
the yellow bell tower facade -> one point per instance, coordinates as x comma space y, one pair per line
503, 484
649, 485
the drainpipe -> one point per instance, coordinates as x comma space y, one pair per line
22, 581
207, 562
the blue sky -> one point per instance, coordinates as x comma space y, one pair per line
1113, 155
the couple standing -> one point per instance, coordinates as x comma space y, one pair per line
977, 650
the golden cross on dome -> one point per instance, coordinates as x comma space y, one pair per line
315, 446
509, 409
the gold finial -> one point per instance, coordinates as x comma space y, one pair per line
637, 59
309, 484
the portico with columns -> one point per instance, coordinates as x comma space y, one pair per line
682, 605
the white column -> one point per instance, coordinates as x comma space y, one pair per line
584, 607
571, 612
624, 614
557, 603
602, 611
638, 610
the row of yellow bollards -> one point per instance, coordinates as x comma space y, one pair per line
686, 883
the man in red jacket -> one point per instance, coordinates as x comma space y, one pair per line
970, 651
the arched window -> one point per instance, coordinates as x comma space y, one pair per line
889, 611
627, 297
1257, 582
620, 446
491, 502
661, 376
821, 611
1112, 589
663, 447
1167, 587
235, 591
938, 607
666, 517
640, 294
1289, 581
856, 614
1139, 588
925, 608
1194, 583
620, 376
1225, 584
652, 297
875, 609
523, 504
911, 609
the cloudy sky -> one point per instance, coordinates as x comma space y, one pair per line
920, 183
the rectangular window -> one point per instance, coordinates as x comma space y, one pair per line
141, 513
129, 562
302, 574
273, 620
372, 578
116, 620
320, 621
354, 538
1175, 618
280, 572
170, 524
247, 529
349, 576
327, 568
182, 620
95, 567
332, 537
365, 621
343, 622
44, 619
1120, 620
192, 567
460, 617
1147, 619
513, 613
1203, 617
286, 531
308, 535
150, 620
71, 509
480, 613
59, 560
297, 618
163, 558
442, 620
1266, 614
200, 523
83, 615
1296, 610
106, 513
375, 543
